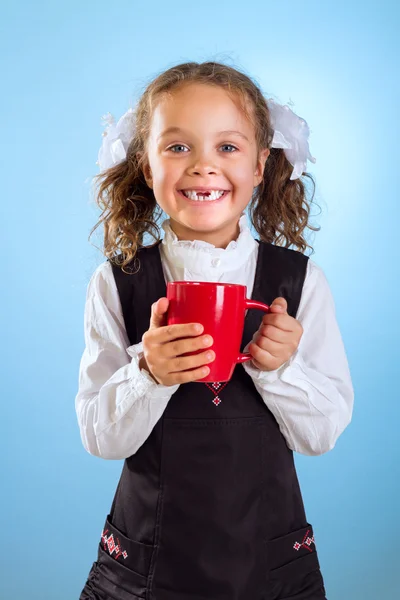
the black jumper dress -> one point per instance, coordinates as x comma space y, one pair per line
209, 507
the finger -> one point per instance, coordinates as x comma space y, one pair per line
187, 376
158, 317
178, 331
181, 346
262, 358
275, 349
276, 334
183, 363
281, 321
279, 305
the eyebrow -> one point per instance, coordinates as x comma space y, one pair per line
179, 130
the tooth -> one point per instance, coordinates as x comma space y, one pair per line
214, 195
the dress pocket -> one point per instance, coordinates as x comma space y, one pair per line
294, 567
130, 553
122, 565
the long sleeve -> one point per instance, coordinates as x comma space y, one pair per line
117, 404
311, 395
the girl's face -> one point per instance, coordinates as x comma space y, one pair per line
199, 138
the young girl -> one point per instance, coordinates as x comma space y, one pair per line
208, 505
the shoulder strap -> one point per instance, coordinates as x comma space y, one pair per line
280, 272
139, 290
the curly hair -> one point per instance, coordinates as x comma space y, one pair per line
279, 210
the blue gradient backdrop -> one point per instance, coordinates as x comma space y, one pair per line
63, 66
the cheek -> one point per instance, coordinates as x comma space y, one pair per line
160, 177
166, 174
242, 174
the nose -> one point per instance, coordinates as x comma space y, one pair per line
203, 165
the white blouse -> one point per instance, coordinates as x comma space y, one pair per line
117, 404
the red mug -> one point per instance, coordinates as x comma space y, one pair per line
220, 308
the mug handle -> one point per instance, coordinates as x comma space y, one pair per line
245, 356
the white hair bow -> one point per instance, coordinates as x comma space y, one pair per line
116, 139
290, 133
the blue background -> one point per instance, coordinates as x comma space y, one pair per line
63, 66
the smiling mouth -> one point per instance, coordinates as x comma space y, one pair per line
204, 197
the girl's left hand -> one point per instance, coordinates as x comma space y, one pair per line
276, 339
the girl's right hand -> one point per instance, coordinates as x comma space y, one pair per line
163, 346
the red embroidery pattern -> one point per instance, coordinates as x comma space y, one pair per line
306, 543
109, 543
216, 387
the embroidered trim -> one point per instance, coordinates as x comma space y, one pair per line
216, 387
306, 543
112, 547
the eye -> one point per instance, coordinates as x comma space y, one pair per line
182, 146
228, 146
176, 146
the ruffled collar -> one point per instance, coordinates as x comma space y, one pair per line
197, 255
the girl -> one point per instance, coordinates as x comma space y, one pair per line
208, 505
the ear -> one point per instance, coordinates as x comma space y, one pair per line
146, 171
259, 172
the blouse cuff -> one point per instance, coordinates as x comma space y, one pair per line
141, 378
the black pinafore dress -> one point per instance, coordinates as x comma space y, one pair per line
209, 507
